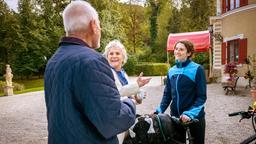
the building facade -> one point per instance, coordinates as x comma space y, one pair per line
234, 36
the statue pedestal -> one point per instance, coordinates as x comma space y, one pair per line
8, 90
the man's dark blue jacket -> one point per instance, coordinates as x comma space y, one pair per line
83, 103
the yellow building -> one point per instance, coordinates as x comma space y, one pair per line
233, 35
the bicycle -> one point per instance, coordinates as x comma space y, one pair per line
250, 114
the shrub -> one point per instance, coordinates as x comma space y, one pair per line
16, 86
130, 65
202, 58
2, 84
152, 69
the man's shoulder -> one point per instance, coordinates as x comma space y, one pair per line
85, 51
90, 58
76, 55
82, 53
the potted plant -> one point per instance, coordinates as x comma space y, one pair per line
253, 95
231, 70
248, 75
253, 90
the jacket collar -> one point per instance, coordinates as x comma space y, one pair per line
180, 64
72, 41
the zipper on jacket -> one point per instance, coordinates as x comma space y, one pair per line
178, 97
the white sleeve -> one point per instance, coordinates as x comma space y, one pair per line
127, 90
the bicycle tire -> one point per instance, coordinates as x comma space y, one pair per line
249, 139
253, 121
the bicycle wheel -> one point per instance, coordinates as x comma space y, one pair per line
249, 139
254, 121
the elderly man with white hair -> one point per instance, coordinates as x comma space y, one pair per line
82, 101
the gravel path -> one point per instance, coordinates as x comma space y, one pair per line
23, 118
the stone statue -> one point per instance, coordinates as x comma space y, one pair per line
8, 88
8, 76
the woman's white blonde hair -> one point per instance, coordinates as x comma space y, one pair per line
77, 16
116, 44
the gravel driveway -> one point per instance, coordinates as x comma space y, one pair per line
23, 117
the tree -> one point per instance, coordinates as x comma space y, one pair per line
9, 35
4, 17
53, 25
110, 17
133, 21
175, 21
30, 55
154, 4
196, 14
164, 16
111, 24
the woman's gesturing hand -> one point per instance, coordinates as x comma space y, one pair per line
142, 81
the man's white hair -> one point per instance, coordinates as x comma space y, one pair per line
77, 16
116, 44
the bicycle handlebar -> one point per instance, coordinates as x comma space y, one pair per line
237, 113
178, 121
250, 113
244, 114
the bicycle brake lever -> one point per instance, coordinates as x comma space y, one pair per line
241, 119
246, 115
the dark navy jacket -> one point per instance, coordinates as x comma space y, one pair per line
83, 103
185, 90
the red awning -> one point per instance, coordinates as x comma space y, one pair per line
200, 39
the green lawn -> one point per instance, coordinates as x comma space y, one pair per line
29, 90
30, 85
34, 83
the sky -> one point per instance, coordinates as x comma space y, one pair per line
13, 4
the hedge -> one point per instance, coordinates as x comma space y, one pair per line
152, 69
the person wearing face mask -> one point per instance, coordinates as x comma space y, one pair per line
185, 92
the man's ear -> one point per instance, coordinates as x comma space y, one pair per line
93, 26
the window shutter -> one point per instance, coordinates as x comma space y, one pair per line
228, 5
242, 51
223, 6
243, 3
246, 2
228, 52
223, 53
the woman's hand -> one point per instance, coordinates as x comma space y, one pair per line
142, 81
184, 118
138, 99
